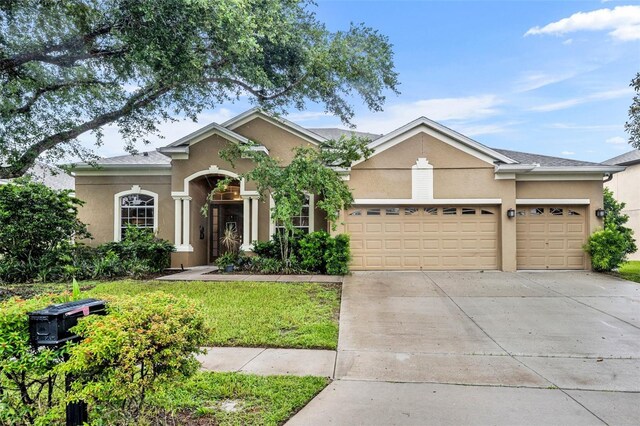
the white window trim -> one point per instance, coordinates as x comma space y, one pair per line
135, 189
312, 210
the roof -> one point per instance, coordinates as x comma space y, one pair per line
147, 158
51, 176
626, 159
543, 160
336, 133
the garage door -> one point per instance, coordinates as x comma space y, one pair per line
551, 237
406, 237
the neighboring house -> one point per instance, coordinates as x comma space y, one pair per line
427, 198
626, 187
51, 176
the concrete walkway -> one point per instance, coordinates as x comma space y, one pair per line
203, 273
295, 362
452, 348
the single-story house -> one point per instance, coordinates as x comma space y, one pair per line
626, 187
428, 198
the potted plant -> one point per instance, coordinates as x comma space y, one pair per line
230, 240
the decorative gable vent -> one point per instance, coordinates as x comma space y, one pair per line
422, 180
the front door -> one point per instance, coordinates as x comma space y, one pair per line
223, 217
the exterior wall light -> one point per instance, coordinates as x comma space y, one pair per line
511, 213
600, 213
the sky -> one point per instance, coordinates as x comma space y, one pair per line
549, 77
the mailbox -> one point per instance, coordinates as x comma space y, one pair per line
50, 326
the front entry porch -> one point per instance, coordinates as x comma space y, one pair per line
197, 235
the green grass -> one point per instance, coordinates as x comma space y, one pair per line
253, 313
630, 271
255, 400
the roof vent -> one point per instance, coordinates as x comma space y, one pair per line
145, 154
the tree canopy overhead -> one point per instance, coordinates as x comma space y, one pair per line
68, 67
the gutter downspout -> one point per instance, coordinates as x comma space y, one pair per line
609, 177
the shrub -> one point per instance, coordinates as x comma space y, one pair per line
338, 255
607, 248
312, 250
141, 345
267, 265
615, 218
141, 247
227, 259
269, 249
37, 227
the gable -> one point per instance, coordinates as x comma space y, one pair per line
440, 154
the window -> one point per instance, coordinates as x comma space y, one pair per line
135, 207
410, 211
373, 212
432, 211
483, 211
466, 210
449, 211
395, 211
573, 213
556, 211
303, 221
536, 211
356, 213
521, 213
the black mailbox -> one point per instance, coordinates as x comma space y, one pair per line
50, 326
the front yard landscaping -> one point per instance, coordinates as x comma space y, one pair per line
630, 271
281, 315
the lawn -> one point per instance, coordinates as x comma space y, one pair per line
253, 313
630, 271
236, 399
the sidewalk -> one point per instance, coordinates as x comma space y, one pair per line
202, 273
268, 362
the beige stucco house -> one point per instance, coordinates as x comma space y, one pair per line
428, 198
626, 187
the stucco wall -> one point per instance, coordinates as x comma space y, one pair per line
98, 212
626, 187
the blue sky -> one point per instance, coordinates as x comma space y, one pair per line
547, 77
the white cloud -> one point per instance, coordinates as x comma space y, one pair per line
616, 140
299, 116
568, 41
598, 96
622, 23
568, 153
571, 126
443, 109
535, 80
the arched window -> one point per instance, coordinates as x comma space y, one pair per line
137, 208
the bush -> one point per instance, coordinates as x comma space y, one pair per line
267, 265
37, 227
142, 249
338, 255
607, 248
227, 259
141, 345
615, 218
312, 251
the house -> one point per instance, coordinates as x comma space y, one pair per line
427, 198
49, 175
626, 187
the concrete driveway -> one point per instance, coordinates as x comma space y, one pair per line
484, 348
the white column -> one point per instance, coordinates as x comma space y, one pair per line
254, 219
178, 221
186, 240
246, 222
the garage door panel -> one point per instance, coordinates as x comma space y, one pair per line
424, 237
551, 237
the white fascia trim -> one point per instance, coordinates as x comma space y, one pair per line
579, 169
436, 202
559, 201
122, 173
511, 168
558, 177
135, 189
205, 132
440, 132
280, 122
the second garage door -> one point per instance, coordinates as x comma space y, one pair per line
418, 237
551, 237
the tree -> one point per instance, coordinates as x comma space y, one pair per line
633, 125
311, 171
37, 227
69, 67
615, 219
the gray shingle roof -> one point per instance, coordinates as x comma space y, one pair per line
543, 160
49, 175
335, 133
625, 159
143, 158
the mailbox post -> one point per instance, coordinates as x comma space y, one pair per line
50, 327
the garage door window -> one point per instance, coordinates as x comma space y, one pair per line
395, 211
556, 211
373, 212
410, 211
536, 211
573, 213
449, 211
431, 211
466, 210
483, 211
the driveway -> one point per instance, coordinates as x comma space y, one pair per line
484, 348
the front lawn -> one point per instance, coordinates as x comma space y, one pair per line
630, 271
236, 399
253, 313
